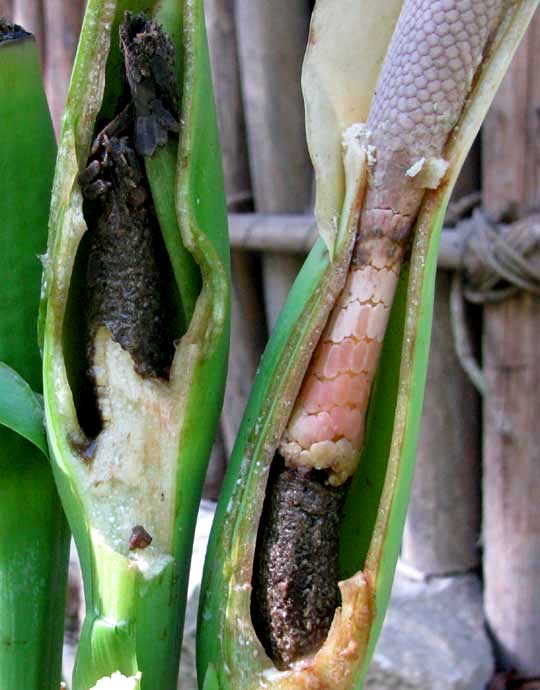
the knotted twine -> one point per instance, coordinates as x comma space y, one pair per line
498, 260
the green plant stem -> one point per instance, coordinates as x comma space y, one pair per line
34, 537
135, 600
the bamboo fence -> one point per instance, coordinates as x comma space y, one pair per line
469, 447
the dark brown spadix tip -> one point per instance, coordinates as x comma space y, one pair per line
295, 580
149, 60
125, 272
11, 32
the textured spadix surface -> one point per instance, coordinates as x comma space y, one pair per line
230, 654
435, 52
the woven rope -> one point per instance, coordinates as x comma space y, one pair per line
498, 261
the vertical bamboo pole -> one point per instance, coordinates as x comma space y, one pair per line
271, 39
247, 331
225, 73
216, 469
29, 14
62, 21
443, 522
511, 169
6, 9
248, 338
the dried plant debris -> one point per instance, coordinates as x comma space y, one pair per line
11, 32
149, 60
126, 290
295, 582
139, 539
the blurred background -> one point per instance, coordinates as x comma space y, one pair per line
466, 606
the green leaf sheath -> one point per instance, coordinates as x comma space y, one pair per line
34, 537
26, 164
161, 170
135, 599
21, 410
34, 547
230, 655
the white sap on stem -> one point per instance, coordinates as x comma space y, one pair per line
424, 83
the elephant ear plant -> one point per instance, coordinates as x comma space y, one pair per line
307, 534
134, 326
34, 537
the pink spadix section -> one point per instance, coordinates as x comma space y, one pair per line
326, 428
427, 75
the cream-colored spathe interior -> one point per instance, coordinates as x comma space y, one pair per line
135, 452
